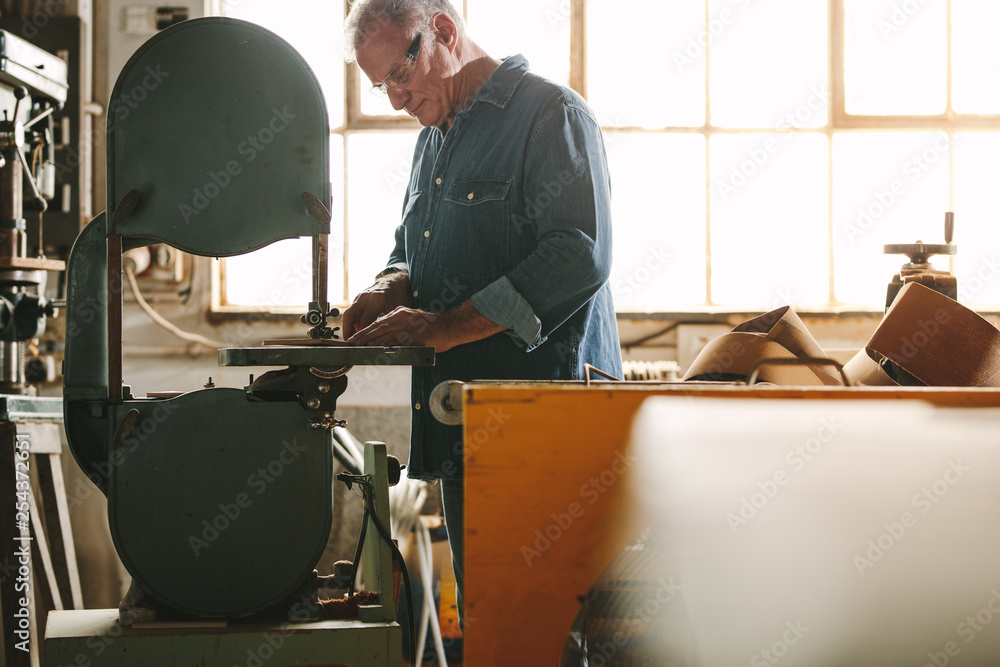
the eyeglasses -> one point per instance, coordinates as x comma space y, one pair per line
401, 74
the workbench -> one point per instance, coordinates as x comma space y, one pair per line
549, 502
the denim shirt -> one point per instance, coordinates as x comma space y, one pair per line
509, 208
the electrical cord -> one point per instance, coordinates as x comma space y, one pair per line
347, 444
405, 501
368, 495
344, 457
162, 321
357, 552
370, 492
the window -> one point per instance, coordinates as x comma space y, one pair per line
762, 153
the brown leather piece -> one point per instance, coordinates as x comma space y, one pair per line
937, 340
925, 338
779, 334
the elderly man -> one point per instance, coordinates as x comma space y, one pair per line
502, 257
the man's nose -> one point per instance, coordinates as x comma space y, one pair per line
398, 97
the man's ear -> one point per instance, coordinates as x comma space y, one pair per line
445, 30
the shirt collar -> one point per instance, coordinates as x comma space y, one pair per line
499, 88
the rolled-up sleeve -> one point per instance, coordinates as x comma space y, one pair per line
502, 304
567, 204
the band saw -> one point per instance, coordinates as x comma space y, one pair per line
254, 463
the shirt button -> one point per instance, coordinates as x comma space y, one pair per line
416, 293
416, 407
427, 234
438, 181
472, 195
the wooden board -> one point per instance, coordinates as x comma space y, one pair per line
32, 263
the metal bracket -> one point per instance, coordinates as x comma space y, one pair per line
588, 369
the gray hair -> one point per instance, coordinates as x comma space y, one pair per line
409, 15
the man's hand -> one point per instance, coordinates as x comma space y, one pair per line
388, 293
406, 326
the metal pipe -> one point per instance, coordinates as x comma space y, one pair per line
11, 238
11, 367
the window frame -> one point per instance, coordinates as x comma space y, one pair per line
838, 122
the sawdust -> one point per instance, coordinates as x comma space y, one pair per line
346, 609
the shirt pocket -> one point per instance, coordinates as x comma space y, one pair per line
475, 217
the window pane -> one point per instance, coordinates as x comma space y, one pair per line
975, 56
658, 209
668, 89
888, 188
373, 104
768, 60
379, 171
769, 220
281, 273
977, 218
336, 255
896, 56
278, 275
539, 29
321, 46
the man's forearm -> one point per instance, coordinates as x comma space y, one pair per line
466, 324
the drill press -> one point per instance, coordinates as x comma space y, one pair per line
32, 87
919, 269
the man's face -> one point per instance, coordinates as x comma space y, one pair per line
427, 94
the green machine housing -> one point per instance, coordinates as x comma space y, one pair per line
219, 500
